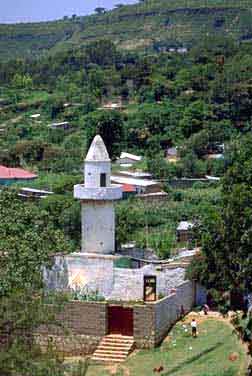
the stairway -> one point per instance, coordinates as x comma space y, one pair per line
113, 348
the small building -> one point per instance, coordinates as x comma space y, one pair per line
182, 50
128, 190
140, 185
9, 175
214, 179
215, 151
32, 193
128, 159
184, 231
172, 154
35, 116
65, 125
112, 106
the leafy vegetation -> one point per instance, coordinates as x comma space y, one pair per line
198, 100
150, 24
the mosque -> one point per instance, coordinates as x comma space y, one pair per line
115, 309
94, 269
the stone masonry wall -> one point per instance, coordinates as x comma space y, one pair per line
144, 326
83, 325
167, 310
153, 320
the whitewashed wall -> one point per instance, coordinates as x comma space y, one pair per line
98, 273
98, 227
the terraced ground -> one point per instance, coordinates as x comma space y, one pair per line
140, 26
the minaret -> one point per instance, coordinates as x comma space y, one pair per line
97, 197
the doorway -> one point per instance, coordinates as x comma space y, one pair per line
150, 288
120, 320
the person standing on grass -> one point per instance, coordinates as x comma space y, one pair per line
194, 328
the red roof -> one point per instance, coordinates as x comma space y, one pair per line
128, 188
15, 173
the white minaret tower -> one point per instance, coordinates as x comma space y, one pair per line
97, 197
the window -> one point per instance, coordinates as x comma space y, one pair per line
103, 180
150, 287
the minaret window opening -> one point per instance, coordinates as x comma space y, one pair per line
103, 180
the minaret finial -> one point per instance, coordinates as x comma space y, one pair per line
97, 150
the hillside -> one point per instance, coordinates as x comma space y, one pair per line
158, 23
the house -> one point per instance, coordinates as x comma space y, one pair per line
128, 190
184, 231
182, 50
12, 175
172, 154
215, 156
128, 159
62, 125
32, 193
140, 185
112, 106
215, 151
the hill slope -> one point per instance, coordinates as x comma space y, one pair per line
160, 22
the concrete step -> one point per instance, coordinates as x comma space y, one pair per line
113, 348
117, 339
120, 336
110, 355
115, 345
111, 360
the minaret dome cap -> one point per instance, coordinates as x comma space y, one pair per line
97, 151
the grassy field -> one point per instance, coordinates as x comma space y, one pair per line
182, 355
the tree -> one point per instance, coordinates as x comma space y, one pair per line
20, 81
226, 233
194, 117
109, 124
27, 239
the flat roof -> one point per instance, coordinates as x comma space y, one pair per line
34, 190
132, 181
135, 174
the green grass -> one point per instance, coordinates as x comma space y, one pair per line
182, 355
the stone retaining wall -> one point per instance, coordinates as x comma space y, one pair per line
83, 324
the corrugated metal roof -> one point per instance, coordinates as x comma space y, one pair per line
132, 181
15, 173
130, 156
185, 225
